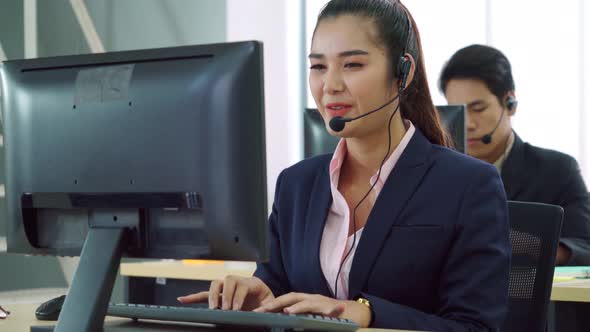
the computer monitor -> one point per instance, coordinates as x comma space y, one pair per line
318, 141
154, 153
316, 138
454, 119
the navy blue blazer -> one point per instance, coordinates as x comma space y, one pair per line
434, 254
533, 174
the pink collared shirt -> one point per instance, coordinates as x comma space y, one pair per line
335, 242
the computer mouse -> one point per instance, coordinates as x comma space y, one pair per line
49, 310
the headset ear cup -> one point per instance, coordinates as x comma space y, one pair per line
403, 71
511, 103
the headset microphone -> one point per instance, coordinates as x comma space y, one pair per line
337, 123
510, 104
487, 138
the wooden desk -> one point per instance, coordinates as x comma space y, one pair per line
182, 270
22, 316
577, 290
572, 290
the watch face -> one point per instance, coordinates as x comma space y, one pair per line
364, 301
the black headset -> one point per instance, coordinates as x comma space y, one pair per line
404, 64
511, 103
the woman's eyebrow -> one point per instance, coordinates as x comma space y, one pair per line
341, 54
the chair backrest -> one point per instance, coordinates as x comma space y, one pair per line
534, 236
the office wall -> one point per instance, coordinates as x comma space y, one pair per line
58, 31
136, 24
11, 28
131, 24
277, 24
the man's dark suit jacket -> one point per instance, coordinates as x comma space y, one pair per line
433, 256
533, 174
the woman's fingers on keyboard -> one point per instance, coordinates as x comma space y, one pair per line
279, 303
229, 287
298, 303
239, 297
323, 307
214, 293
194, 298
228, 294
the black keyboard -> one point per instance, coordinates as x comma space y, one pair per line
232, 318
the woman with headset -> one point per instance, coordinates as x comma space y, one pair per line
394, 230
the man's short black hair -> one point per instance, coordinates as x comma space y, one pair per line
483, 63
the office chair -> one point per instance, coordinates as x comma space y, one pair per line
534, 236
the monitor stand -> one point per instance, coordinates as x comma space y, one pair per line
87, 301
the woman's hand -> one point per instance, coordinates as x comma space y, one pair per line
301, 303
236, 293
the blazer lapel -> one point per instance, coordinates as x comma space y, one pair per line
397, 191
319, 206
513, 174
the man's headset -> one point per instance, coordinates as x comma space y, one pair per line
511, 104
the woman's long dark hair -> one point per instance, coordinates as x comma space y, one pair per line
391, 20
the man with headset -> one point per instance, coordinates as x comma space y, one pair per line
480, 77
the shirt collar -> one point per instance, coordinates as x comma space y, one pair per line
341, 150
500, 161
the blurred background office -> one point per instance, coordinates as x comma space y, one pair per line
547, 42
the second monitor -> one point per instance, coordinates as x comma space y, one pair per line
317, 140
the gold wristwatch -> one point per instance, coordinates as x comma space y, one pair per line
364, 301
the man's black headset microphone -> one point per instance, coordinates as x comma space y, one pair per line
510, 105
338, 123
